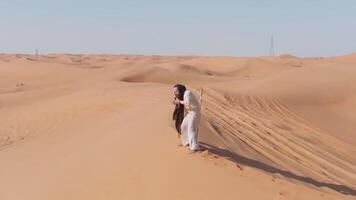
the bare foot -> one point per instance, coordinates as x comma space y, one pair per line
194, 150
181, 145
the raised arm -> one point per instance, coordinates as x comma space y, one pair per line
186, 100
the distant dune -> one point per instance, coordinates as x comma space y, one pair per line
99, 127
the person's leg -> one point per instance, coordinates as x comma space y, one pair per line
184, 132
193, 133
196, 125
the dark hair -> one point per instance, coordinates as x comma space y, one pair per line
178, 114
181, 89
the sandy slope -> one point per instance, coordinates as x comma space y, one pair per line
99, 127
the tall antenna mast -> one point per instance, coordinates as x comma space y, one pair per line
36, 53
271, 50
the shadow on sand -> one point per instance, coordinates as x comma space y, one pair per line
238, 159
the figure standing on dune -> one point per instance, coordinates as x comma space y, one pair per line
187, 115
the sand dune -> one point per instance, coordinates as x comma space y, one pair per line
99, 127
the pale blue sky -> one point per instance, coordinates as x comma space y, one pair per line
181, 27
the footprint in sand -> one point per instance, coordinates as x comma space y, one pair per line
20, 85
239, 166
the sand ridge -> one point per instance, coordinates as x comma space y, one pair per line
99, 127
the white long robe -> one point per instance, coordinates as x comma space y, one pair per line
190, 124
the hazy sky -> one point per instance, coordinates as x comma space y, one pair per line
180, 27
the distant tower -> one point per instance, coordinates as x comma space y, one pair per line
36, 53
271, 50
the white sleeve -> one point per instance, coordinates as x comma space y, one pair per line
187, 100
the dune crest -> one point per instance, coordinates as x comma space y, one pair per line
99, 127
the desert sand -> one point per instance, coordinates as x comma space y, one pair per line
100, 127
